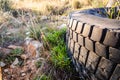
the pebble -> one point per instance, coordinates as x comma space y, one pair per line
12, 66
23, 56
15, 62
62, 26
2, 64
44, 17
6, 70
23, 74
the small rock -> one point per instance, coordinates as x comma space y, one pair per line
28, 40
15, 62
44, 17
8, 33
4, 51
23, 56
34, 48
37, 44
15, 47
23, 74
62, 26
2, 64
12, 66
27, 33
6, 70
63, 17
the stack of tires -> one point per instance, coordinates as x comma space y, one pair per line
94, 42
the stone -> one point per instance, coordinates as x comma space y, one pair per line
24, 56
2, 64
23, 74
4, 52
62, 26
12, 66
15, 47
34, 48
27, 33
63, 17
28, 40
16, 61
6, 70
44, 18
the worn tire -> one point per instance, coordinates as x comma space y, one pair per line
94, 42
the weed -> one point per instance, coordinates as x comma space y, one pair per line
34, 32
59, 57
42, 77
112, 13
55, 37
38, 64
17, 52
9, 59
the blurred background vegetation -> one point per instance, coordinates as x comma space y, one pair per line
47, 7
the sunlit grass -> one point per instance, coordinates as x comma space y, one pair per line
42, 6
48, 6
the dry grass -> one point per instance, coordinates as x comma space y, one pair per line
4, 16
45, 7
76, 4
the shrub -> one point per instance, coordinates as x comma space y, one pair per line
59, 56
38, 64
55, 37
34, 32
17, 52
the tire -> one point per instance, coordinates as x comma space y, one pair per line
94, 42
